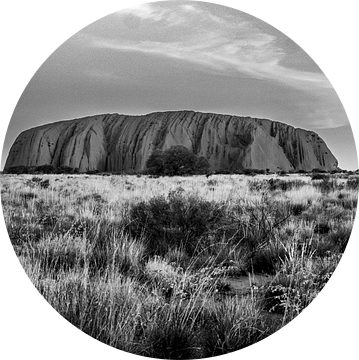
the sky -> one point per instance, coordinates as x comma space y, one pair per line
184, 55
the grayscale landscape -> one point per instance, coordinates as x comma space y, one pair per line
148, 208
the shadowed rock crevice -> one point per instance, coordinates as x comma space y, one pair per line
113, 142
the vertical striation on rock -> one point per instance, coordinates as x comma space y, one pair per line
122, 143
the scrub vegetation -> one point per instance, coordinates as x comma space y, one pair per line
179, 267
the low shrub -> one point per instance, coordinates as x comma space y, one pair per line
65, 170
285, 185
175, 221
18, 170
231, 324
326, 184
298, 283
92, 172
349, 203
253, 172
22, 232
57, 253
319, 176
321, 247
44, 184
37, 181
212, 182
275, 184
352, 183
258, 186
297, 209
321, 228
172, 336
265, 260
112, 250
28, 195
41, 169
340, 238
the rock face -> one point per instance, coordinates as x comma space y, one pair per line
121, 143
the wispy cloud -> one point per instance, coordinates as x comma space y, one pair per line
144, 11
218, 43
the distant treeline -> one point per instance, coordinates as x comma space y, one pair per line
42, 169
50, 169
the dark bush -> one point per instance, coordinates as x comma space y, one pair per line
348, 203
104, 238
321, 228
252, 172
223, 172
340, 238
37, 181
55, 259
177, 160
92, 172
326, 184
45, 169
64, 170
319, 177
321, 247
212, 182
42, 169
28, 196
316, 170
352, 183
44, 184
175, 221
265, 260
284, 185
17, 170
297, 209
258, 185
238, 172
155, 163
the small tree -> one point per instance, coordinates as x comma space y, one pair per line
317, 170
155, 163
21, 169
63, 169
45, 169
177, 160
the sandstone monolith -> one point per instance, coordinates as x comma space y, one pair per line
123, 143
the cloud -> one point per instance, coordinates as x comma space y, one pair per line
221, 43
234, 46
143, 11
153, 13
